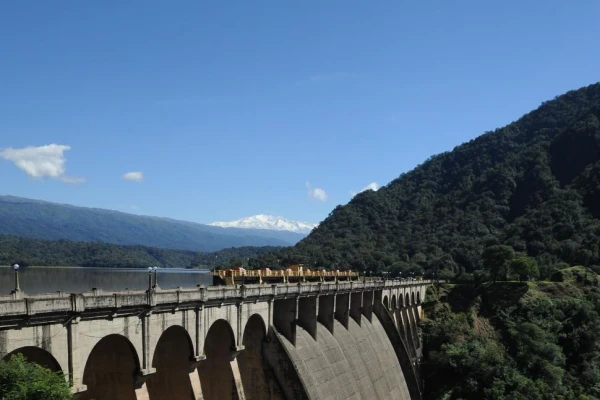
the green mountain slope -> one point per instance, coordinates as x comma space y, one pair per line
51, 221
28, 251
514, 340
534, 185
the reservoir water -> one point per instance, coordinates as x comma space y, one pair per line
79, 279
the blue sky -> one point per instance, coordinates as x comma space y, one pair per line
230, 108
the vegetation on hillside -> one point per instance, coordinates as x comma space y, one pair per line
533, 185
23, 380
27, 251
514, 340
51, 221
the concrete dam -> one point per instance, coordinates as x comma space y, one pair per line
325, 340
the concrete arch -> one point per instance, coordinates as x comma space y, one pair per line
418, 297
255, 321
394, 304
249, 311
44, 337
412, 295
256, 378
38, 356
216, 375
90, 334
160, 322
386, 302
171, 360
407, 303
111, 370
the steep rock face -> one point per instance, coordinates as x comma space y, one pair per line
354, 363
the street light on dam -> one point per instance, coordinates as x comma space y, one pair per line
155, 277
149, 278
16, 269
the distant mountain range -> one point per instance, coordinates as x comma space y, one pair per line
52, 221
270, 222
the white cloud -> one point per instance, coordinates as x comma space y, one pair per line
316, 193
371, 186
41, 162
134, 176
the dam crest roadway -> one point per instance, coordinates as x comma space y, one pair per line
315, 340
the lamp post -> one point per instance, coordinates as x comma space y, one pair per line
155, 277
365, 276
385, 274
16, 269
149, 278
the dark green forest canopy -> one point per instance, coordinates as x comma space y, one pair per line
26, 251
514, 340
533, 185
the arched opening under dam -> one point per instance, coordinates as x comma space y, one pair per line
418, 297
386, 302
413, 298
172, 362
394, 302
38, 356
216, 375
251, 362
111, 369
407, 303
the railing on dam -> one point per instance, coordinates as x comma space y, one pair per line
159, 343
20, 304
230, 276
291, 274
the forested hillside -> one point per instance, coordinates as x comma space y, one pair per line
52, 221
514, 340
533, 185
26, 251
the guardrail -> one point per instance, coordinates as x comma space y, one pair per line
229, 275
57, 303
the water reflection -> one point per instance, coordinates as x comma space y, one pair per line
79, 279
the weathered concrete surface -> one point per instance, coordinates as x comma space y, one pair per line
258, 379
191, 342
354, 363
110, 371
217, 377
408, 362
285, 372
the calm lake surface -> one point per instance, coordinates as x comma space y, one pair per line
78, 279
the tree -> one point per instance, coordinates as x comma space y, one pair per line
525, 267
24, 380
495, 259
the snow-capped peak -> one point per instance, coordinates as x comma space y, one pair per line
262, 221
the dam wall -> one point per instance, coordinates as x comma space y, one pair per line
354, 363
326, 340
